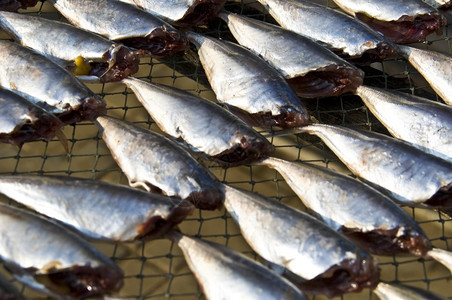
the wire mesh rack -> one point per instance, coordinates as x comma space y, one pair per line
157, 269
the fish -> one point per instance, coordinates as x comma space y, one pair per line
124, 23
224, 273
311, 70
386, 291
404, 172
203, 125
369, 218
325, 261
99, 210
85, 54
14, 5
247, 85
154, 162
340, 32
22, 121
420, 121
184, 13
434, 66
62, 264
46, 84
402, 22
8, 290
442, 5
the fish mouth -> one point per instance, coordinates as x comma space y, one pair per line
407, 29
201, 13
91, 107
246, 151
123, 64
333, 80
159, 43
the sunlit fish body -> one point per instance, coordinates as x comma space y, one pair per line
152, 161
402, 21
330, 27
85, 54
386, 291
420, 121
185, 13
330, 263
311, 70
407, 173
21, 121
227, 274
44, 83
98, 209
248, 85
124, 23
443, 5
47, 257
436, 68
14, 5
202, 124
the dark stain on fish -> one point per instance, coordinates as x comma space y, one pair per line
442, 198
201, 13
126, 64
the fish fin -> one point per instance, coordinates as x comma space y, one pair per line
444, 257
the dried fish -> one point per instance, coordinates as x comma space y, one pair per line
436, 68
98, 209
392, 291
205, 126
407, 173
42, 82
88, 55
369, 218
186, 13
330, 27
443, 5
403, 21
124, 23
154, 162
331, 264
419, 121
311, 70
8, 291
249, 86
226, 274
14, 5
22, 121
61, 264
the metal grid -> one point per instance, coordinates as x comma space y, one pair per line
156, 269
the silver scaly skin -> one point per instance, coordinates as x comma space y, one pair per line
112, 212
420, 121
47, 257
151, 161
386, 291
328, 263
125, 23
436, 68
248, 85
44, 83
103, 59
330, 27
203, 125
311, 70
407, 173
226, 274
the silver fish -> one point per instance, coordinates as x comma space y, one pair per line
152, 161
86, 54
125, 23
440, 4
226, 274
22, 121
402, 21
329, 27
302, 244
386, 291
185, 13
44, 83
407, 173
420, 121
311, 70
436, 68
8, 290
248, 85
60, 264
14, 5
371, 219
98, 209
205, 126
